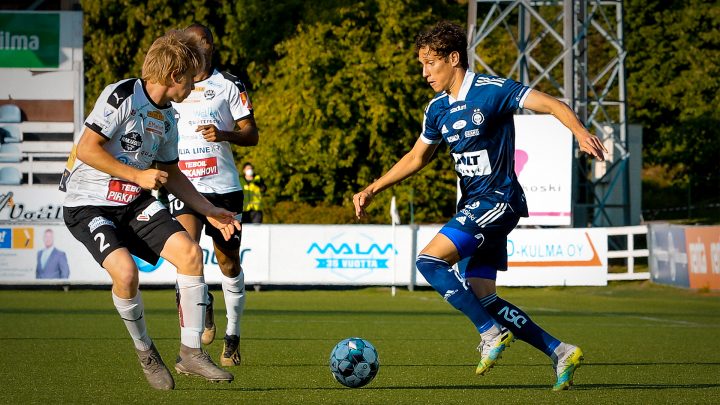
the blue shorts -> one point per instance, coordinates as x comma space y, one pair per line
479, 232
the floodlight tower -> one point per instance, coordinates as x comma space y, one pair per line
574, 50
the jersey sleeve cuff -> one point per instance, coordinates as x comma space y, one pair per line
521, 104
96, 128
171, 162
428, 140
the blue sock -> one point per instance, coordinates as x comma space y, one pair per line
453, 288
513, 318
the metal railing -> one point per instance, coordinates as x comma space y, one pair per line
629, 253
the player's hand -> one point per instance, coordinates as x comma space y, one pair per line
592, 145
225, 221
151, 179
361, 201
211, 133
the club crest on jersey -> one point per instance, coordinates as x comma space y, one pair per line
209, 94
131, 141
477, 117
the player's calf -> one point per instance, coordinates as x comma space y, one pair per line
209, 331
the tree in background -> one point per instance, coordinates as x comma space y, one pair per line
341, 104
339, 96
673, 86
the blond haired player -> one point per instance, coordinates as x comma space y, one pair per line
109, 208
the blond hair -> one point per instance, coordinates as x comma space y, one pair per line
174, 53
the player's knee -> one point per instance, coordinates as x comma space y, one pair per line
192, 260
126, 282
427, 265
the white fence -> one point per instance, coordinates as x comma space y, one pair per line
630, 253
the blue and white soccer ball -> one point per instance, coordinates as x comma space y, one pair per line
354, 362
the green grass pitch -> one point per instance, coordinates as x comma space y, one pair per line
643, 344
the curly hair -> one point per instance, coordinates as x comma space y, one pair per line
444, 38
176, 52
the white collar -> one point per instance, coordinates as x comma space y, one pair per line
464, 88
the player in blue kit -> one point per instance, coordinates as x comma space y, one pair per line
473, 114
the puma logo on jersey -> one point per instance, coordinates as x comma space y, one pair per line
117, 98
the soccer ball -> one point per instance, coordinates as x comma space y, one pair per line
354, 362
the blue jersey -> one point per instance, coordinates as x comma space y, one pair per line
479, 129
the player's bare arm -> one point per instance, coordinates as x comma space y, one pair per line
544, 103
90, 150
245, 133
418, 157
180, 186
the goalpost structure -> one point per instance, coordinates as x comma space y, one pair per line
573, 50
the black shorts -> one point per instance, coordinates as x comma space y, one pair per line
143, 227
232, 201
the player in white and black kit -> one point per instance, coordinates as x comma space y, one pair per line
109, 207
216, 114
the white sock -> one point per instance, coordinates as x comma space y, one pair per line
132, 313
192, 291
491, 333
559, 352
234, 292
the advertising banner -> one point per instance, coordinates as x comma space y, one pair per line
547, 257
31, 204
337, 254
45, 253
49, 254
29, 40
668, 258
703, 247
543, 164
254, 259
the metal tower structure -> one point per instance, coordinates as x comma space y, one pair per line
574, 50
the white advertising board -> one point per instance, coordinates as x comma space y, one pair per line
31, 204
340, 254
543, 163
546, 257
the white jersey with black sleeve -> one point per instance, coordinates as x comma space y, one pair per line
138, 133
219, 100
